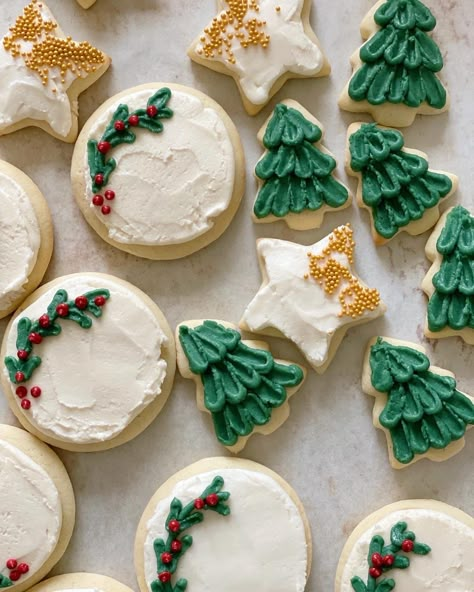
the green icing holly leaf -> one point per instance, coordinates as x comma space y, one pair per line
5, 581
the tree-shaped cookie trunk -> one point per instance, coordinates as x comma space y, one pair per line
242, 384
396, 70
296, 174
450, 283
424, 411
396, 185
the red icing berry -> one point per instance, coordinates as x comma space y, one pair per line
21, 392
133, 120
407, 546
99, 300
62, 309
81, 302
212, 499
199, 503
44, 321
103, 147
23, 568
99, 179
97, 200
19, 377
164, 577
152, 111
15, 575
35, 338
35, 391
109, 194
166, 558
176, 546
25, 404
174, 525
388, 560
119, 125
22, 354
377, 560
375, 572
105, 210
11, 563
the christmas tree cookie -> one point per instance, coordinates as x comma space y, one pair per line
80, 582
26, 237
409, 546
43, 72
295, 175
261, 44
449, 283
395, 184
418, 406
37, 509
396, 71
311, 295
238, 382
237, 512
89, 362
158, 171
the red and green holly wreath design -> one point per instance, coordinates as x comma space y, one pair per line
32, 332
383, 558
16, 571
180, 518
119, 131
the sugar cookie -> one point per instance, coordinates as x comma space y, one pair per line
80, 582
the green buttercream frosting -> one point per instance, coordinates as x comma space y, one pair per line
452, 303
397, 185
296, 175
424, 410
242, 385
5, 581
400, 61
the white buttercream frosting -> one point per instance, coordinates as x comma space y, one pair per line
30, 511
20, 239
449, 567
95, 381
297, 307
169, 186
289, 49
260, 546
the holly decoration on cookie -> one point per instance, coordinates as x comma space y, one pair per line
400, 61
120, 131
31, 332
452, 303
424, 409
242, 384
397, 185
16, 570
169, 552
297, 176
384, 558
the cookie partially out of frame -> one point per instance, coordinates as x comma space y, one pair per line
80, 582
38, 509
86, 3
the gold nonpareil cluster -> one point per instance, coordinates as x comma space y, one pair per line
31, 38
330, 273
233, 26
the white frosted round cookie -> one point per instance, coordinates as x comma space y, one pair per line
89, 362
245, 526
26, 236
413, 546
81, 582
158, 171
38, 509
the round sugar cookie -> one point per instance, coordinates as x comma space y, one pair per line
88, 362
158, 171
411, 545
26, 236
38, 509
81, 582
224, 520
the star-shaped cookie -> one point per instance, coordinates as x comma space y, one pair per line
43, 72
261, 44
310, 295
